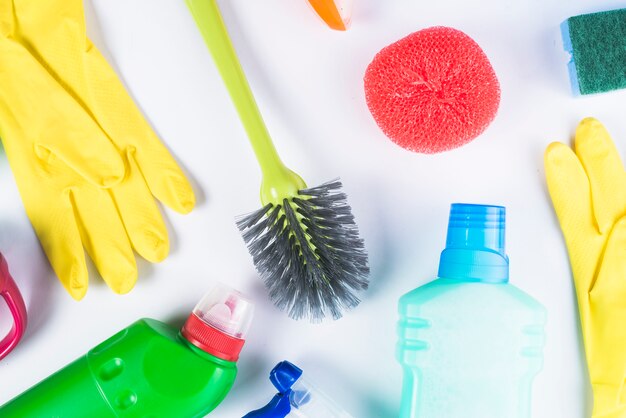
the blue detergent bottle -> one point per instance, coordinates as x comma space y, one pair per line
470, 343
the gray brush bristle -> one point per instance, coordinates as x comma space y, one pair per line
308, 252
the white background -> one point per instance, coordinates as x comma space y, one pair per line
308, 83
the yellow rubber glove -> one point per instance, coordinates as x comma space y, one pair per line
588, 190
103, 198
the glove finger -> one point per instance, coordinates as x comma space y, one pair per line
58, 233
122, 120
568, 186
58, 125
605, 170
165, 178
105, 239
141, 216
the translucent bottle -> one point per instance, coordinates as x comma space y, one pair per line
470, 343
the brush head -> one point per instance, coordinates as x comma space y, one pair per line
432, 91
308, 252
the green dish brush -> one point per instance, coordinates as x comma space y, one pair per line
304, 241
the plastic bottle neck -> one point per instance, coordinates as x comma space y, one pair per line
474, 266
211, 340
204, 354
475, 245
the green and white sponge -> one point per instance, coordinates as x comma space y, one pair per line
597, 44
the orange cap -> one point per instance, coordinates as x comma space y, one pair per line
336, 13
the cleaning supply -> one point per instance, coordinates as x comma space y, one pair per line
296, 397
470, 343
304, 241
336, 13
588, 189
597, 45
13, 298
80, 149
432, 91
149, 368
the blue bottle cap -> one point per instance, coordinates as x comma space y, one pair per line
475, 244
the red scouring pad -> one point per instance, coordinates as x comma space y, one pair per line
432, 91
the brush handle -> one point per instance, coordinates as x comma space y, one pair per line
208, 19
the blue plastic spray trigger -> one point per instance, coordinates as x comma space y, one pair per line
283, 377
296, 397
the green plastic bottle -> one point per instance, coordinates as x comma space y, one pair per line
149, 369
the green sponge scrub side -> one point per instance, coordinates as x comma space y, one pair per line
597, 42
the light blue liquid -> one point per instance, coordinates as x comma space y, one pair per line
470, 347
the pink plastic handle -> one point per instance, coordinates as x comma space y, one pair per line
13, 298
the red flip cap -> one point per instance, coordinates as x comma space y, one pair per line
211, 340
219, 323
